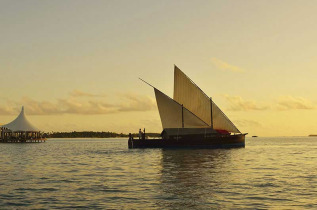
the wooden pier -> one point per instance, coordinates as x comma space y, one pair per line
41, 140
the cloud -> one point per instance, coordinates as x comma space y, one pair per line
133, 102
237, 103
248, 123
225, 66
78, 93
34, 107
5, 110
290, 102
128, 102
92, 107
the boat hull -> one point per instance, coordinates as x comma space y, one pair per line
219, 141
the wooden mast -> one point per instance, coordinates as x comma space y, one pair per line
182, 116
211, 120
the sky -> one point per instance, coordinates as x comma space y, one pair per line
75, 64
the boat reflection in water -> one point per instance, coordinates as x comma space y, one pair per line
194, 178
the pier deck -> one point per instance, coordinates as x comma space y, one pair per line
42, 140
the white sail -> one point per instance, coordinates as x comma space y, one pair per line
221, 121
190, 95
192, 121
170, 111
186, 92
173, 114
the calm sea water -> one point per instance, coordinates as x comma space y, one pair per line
276, 173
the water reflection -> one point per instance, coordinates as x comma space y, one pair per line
105, 174
189, 178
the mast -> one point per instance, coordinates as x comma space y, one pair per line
211, 120
182, 116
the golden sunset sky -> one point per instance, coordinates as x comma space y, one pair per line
75, 64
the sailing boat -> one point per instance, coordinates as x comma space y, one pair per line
190, 119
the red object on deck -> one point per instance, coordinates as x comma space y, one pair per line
222, 131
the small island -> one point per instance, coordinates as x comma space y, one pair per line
93, 134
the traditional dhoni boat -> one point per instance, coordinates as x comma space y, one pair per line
190, 119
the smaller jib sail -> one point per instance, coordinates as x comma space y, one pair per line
174, 115
186, 92
221, 121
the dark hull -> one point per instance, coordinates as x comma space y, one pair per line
218, 141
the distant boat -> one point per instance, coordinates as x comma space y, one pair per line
190, 119
254, 136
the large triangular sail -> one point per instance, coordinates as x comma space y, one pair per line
186, 92
174, 115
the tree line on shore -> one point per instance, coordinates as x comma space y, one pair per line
92, 134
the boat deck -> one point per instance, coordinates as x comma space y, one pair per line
229, 141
